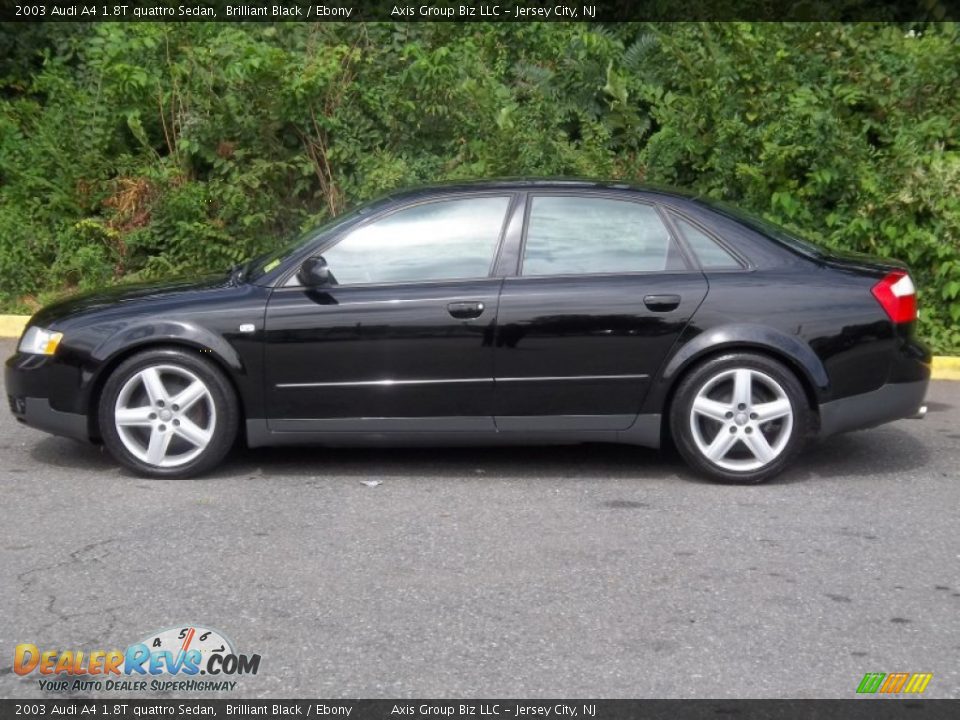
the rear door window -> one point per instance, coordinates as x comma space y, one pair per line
570, 235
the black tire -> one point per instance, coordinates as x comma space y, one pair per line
684, 424
220, 409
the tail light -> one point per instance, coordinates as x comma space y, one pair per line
897, 296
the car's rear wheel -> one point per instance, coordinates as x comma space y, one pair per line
168, 413
740, 418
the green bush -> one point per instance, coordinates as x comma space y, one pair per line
846, 133
142, 150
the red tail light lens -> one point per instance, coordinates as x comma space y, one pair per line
898, 297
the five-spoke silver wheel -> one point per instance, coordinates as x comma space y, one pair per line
165, 415
741, 419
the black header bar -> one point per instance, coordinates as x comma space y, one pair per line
472, 11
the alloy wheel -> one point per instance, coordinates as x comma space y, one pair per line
165, 415
741, 419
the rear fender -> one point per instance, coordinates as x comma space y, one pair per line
745, 336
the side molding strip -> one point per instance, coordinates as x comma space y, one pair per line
384, 383
388, 382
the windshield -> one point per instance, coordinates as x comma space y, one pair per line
765, 227
262, 264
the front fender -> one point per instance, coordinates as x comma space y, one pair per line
156, 332
743, 336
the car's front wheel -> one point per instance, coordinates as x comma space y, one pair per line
168, 413
740, 418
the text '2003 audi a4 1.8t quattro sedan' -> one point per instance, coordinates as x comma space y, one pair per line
513, 311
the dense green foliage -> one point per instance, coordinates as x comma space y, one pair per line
140, 150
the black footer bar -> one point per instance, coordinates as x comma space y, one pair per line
854, 709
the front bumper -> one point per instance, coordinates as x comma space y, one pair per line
41, 393
893, 401
37, 413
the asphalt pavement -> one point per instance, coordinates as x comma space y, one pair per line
587, 571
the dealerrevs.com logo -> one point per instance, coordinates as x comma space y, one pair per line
168, 660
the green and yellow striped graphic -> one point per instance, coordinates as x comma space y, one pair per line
894, 683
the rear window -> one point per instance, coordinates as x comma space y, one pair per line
765, 227
712, 255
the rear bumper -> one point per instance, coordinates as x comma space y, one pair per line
893, 401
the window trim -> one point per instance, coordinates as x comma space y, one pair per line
675, 216
510, 196
508, 256
688, 260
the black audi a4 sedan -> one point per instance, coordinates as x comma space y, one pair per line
531, 312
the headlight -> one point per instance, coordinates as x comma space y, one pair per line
38, 341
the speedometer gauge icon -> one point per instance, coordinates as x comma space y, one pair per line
190, 637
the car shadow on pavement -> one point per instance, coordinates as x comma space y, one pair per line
876, 452
879, 451
71, 454
599, 461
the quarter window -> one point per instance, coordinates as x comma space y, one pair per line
582, 235
444, 240
708, 252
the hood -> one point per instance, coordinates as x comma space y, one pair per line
120, 295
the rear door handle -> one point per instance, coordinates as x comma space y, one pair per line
465, 310
662, 303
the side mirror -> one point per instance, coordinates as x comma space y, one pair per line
314, 272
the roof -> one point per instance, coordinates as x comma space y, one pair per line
527, 183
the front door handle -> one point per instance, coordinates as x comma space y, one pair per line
662, 303
465, 310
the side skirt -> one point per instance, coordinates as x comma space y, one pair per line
448, 432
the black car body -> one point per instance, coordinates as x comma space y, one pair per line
569, 342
